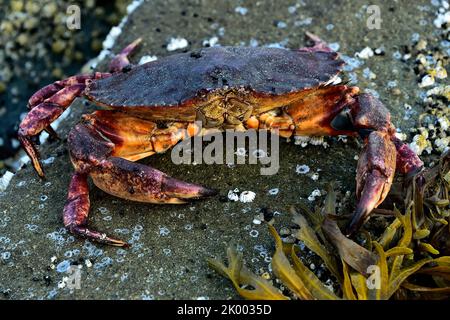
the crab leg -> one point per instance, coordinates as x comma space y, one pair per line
341, 110
319, 44
309, 116
76, 212
102, 148
46, 106
121, 61
48, 103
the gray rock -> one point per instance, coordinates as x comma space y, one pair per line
171, 243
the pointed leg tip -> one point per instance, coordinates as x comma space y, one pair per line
102, 238
312, 36
32, 153
95, 236
119, 243
52, 133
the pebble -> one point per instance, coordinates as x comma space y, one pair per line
5, 180
147, 58
421, 45
315, 176
365, 53
241, 10
177, 43
368, 74
256, 221
396, 91
379, 51
426, 81
314, 194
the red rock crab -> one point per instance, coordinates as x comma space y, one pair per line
151, 107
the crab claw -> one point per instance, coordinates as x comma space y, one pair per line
182, 191
138, 182
375, 173
92, 154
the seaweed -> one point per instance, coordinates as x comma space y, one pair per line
406, 261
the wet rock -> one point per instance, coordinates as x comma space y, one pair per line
31, 228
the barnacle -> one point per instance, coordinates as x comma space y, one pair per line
404, 261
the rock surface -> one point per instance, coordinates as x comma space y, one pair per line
170, 244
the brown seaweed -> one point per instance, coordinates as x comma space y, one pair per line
407, 251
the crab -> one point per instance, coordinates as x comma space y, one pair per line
148, 109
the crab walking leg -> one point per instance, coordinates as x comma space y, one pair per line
52, 89
318, 44
341, 110
102, 149
310, 115
46, 106
121, 61
76, 212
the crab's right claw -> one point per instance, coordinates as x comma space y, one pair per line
375, 173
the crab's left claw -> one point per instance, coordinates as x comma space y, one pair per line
375, 173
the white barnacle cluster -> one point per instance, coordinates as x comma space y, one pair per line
316, 193
365, 53
244, 196
303, 141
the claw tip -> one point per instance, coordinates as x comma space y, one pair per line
208, 192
